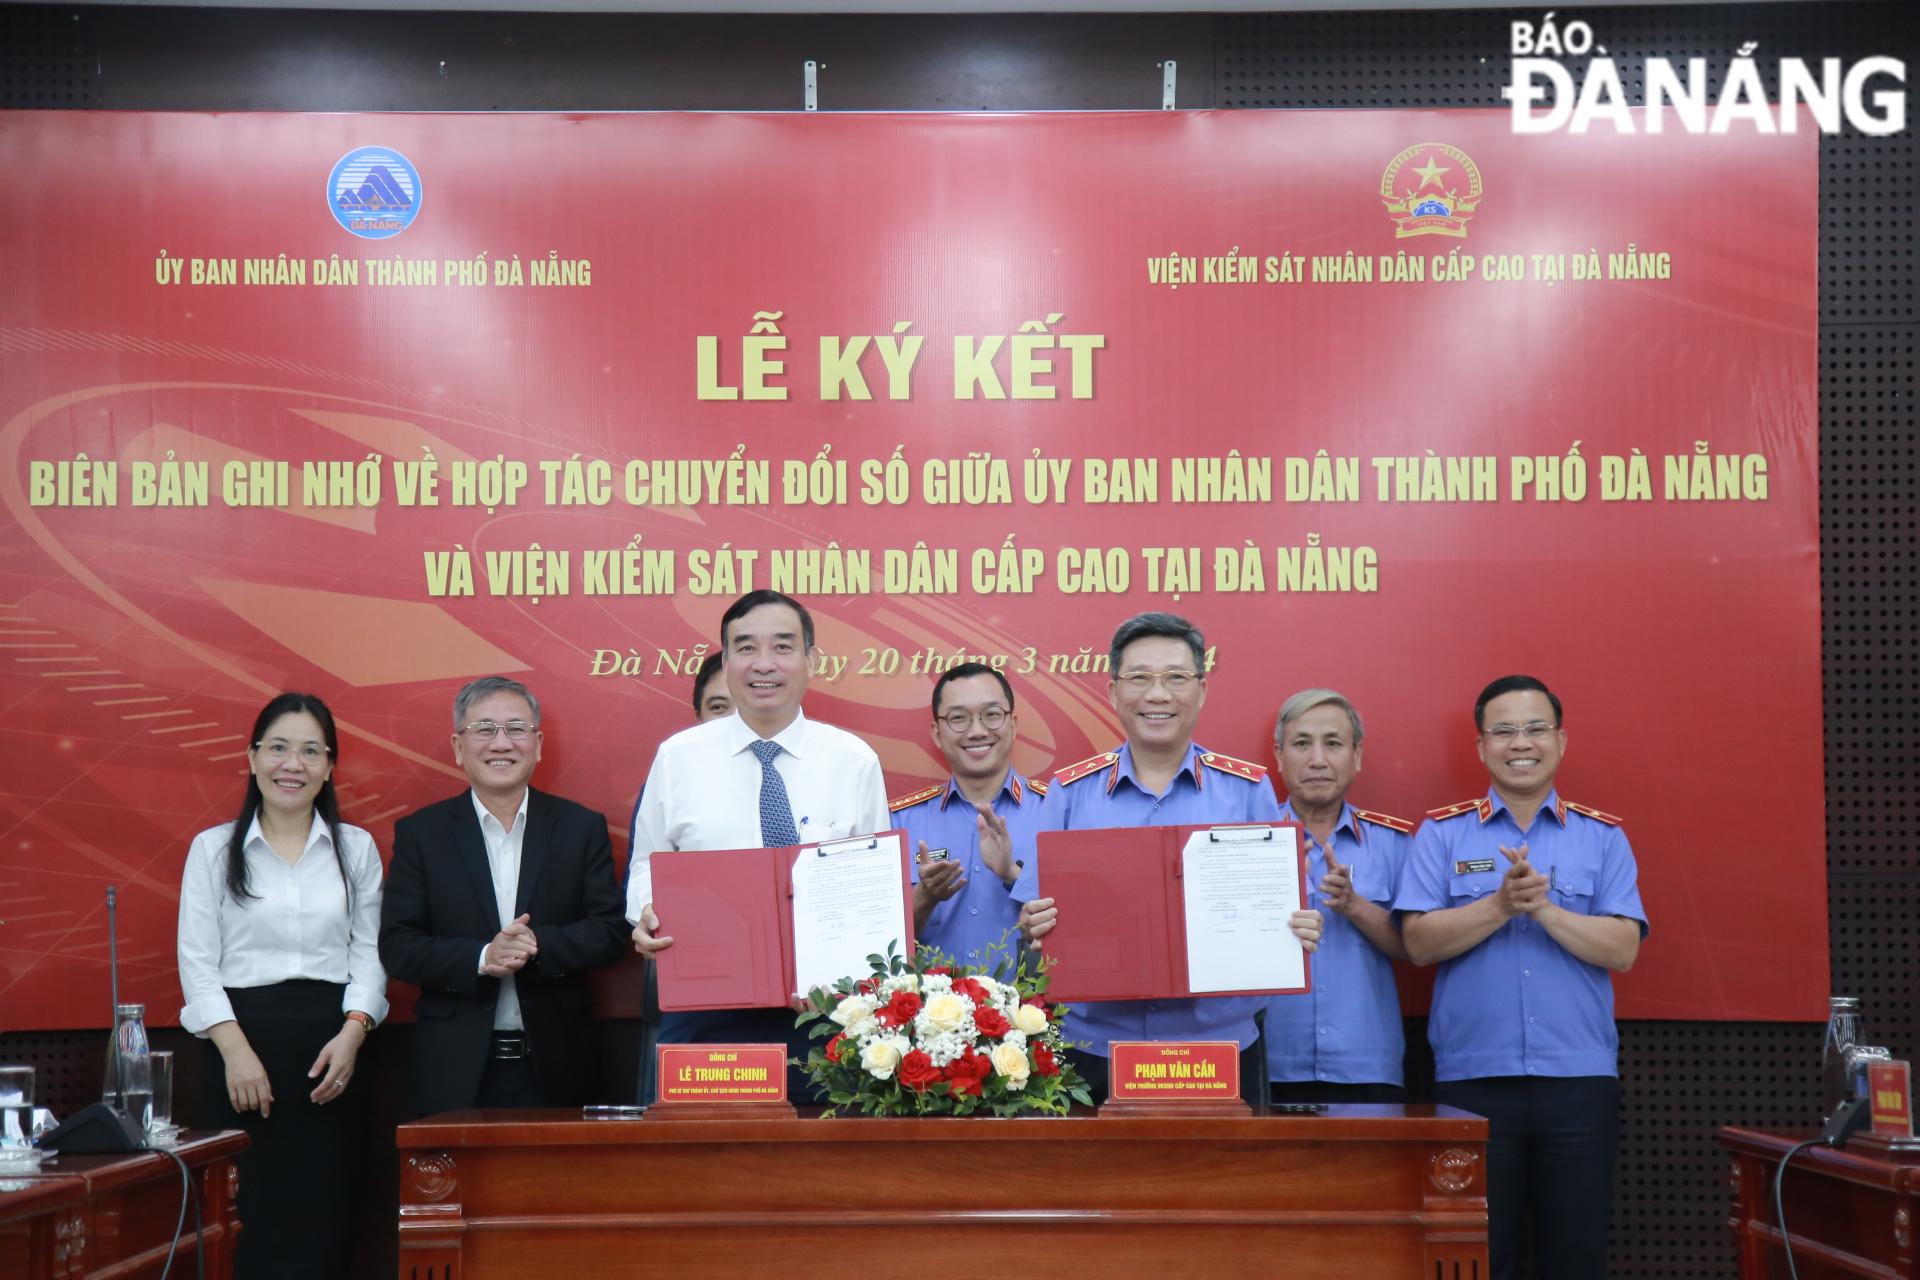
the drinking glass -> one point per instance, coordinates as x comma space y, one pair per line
160, 1127
16, 1117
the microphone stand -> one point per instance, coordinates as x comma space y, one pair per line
113, 979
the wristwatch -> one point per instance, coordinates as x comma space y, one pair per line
364, 1019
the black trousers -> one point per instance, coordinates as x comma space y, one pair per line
296, 1199
1550, 1150
510, 1082
1324, 1091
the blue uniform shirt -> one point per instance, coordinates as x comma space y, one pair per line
984, 911
1347, 1029
1520, 1004
1208, 789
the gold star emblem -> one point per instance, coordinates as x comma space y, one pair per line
1430, 174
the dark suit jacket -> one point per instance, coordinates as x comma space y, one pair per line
439, 911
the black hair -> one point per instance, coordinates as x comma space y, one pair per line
709, 668
966, 671
327, 804
1512, 684
753, 600
1145, 625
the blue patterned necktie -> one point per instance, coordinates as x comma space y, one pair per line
776, 814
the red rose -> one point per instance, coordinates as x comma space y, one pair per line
917, 1072
899, 1010
1043, 1063
970, 989
833, 1048
867, 986
991, 1021
944, 970
967, 1072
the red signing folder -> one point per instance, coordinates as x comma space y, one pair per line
1121, 893
730, 915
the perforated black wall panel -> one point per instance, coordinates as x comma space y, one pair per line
48, 59
1681, 1081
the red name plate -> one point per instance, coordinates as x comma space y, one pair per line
1161, 1071
723, 1073
1890, 1089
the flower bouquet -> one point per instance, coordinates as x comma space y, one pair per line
929, 1037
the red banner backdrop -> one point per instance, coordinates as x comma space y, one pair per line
1393, 402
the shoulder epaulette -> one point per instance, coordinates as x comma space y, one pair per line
1595, 814
1037, 785
1091, 765
1384, 820
1454, 810
917, 797
1238, 768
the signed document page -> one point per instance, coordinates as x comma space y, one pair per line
848, 904
1242, 884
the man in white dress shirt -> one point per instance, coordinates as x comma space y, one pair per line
763, 777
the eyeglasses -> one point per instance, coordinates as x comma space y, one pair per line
1175, 682
277, 751
1506, 733
990, 719
487, 730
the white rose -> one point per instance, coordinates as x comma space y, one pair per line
851, 1010
1011, 1062
1030, 1019
881, 1057
946, 1011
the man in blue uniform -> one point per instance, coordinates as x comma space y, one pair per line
1158, 778
1341, 1041
1528, 903
982, 819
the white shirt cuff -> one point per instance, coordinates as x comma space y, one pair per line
208, 1011
367, 1001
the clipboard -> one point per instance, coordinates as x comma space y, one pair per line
730, 914
1122, 932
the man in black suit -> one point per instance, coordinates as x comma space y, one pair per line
497, 903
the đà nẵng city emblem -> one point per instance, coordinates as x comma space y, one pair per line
1431, 189
374, 192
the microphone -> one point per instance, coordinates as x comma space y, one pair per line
98, 1129
1847, 1119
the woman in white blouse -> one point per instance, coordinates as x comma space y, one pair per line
279, 925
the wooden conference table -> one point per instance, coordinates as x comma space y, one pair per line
1360, 1192
79, 1216
1851, 1212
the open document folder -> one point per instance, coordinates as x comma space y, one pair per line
751, 928
1156, 913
